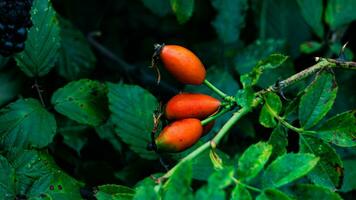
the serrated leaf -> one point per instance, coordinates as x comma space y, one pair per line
202, 166
178, 185
107, 132
273, 194
29, 166
145, 190
216, 184
26, 123
288, 168
42, 45
349, 182
10, 86
312, 12
240, 193
132, 109
305, 191
329, 170
114, 192
158, 7
7, 180
271, 62
230, 19
271, 108
74, 134
310, 47
340, 13
183, 9
83, 101
252, 160
57, 185
244, 97
317, 101
340, 129
279, 141
76, 58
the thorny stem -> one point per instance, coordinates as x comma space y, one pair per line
323, 63
215, 89
39, 92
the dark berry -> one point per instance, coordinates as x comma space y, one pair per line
15, 20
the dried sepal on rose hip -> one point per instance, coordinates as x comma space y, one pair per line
189, 105
180, 62
179, 135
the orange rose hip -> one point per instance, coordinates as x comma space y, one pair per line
188, 105
179, 135
183, 64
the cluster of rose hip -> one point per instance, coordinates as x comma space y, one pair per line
186, 110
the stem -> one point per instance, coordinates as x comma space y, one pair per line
39, 92
215, 89
227, 126
285, 123
213, 117
246, 186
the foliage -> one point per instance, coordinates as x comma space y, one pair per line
79, 107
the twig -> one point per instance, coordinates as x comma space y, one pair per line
39, 92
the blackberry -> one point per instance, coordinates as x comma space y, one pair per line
15, 19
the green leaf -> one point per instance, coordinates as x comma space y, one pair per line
340, 13
76, 58
329, 170
340, 129
43, 43
279, 141
349, 182
145, 190
133, 116
310, 47
56, 185
114, 192
178, 185
183, 9
244, 97
253, 159
280, 19
26, 123
288, 168
29, 166
312, 12
271, 62
107, 132
216, 184
74, 134
317, 101
7, 180
272, 194
10, 86
158, 7
240, 193
230, 19
271, 108
203, 167
305, 191
83, 101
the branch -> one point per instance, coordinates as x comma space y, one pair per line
227, 126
